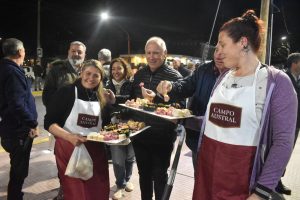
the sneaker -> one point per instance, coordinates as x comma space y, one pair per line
129, 187
118, 194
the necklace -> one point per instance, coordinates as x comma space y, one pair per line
87, 94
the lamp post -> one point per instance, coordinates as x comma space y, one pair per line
105, 16
39, 50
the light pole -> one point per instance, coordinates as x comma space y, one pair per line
128, 38
105, 16
39, 50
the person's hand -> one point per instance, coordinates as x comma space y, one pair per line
164, 87
34, 132
148, 94
254, 197
76, 139
109, 96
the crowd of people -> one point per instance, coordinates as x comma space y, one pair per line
240, 148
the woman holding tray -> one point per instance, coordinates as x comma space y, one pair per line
122, 155
75, 111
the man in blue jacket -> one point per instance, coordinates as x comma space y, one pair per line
198, 86
18, 116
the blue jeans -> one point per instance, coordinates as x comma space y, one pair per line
123, 159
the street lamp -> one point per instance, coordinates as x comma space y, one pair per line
105, 16
283, 38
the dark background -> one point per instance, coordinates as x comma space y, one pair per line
184, 25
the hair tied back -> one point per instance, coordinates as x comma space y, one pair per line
249, 16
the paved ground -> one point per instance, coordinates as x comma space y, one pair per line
42, 182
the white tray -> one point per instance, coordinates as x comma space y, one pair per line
154, 114
121, 140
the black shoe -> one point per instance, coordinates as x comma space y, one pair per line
282, 189
60, 195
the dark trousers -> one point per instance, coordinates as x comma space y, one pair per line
153, 161
192, 139
19, 152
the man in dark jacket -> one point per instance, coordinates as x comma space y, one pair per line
104, 56
38, 74
198, 87
18, 115
64, 72
293, 71
153, 147
181, 68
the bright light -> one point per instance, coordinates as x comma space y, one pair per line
104, 16
283, 38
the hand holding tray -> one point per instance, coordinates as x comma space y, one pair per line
168, 117
95, 137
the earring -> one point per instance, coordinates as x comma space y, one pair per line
246, 48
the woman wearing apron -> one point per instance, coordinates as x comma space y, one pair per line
75, 111
245, 147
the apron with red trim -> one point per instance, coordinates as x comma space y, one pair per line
228, 147
84, 118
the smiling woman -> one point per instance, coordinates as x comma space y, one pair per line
75, 111
91, 74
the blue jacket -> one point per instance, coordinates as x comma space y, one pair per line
198, 86
17, 105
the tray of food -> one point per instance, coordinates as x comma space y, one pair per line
117, 133
165, 111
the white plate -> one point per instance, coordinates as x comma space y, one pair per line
121, 140
157, 115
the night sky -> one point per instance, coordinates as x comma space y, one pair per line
183, 24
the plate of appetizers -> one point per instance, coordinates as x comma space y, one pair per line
117, 133
166, 111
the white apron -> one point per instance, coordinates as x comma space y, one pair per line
232, 111
85, 117
228, 147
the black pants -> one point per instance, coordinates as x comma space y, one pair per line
192, 139
153, 162
19, 152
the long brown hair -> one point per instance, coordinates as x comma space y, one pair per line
100, 89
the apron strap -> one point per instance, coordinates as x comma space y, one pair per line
76, 93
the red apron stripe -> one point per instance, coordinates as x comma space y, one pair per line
74, 188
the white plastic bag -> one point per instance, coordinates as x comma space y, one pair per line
80, 164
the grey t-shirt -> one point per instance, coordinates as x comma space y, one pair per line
244, 81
